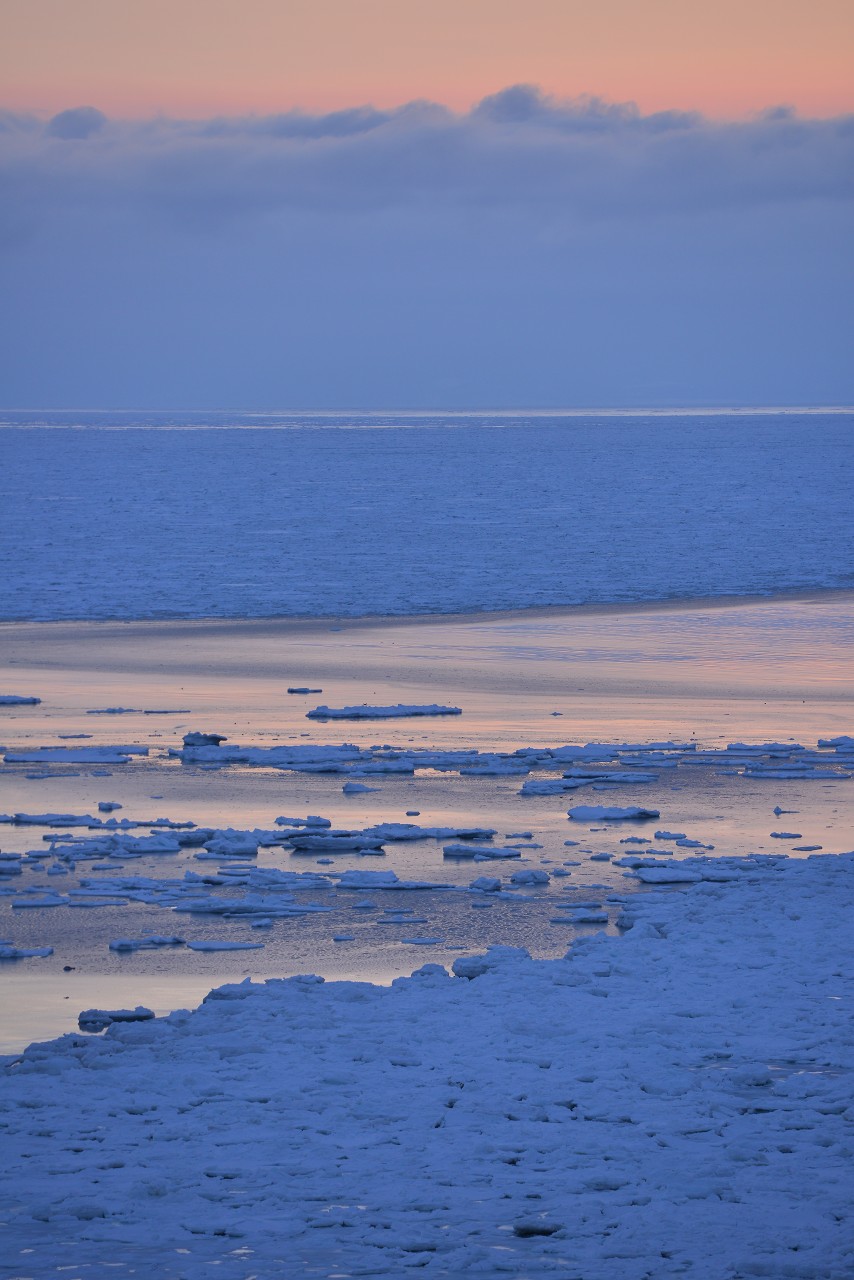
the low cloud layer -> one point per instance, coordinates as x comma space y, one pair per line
580, 217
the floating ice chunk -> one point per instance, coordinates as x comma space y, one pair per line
332, 843
549, 786
410, 831
114, 711
303, 689
598, 812
9, 952
233, 844
661, 835
98, 1019
366, 712
778, 812
151, 943
16, 700
479, 852
76, 755
204, 739
367, 880
786, 835
212, 944
794, 773
807, 848
486, 884
674, 874
107, 806
530, 877
311, 821
356, 788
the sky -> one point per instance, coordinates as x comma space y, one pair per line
367, 203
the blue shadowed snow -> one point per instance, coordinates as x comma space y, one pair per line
397, 514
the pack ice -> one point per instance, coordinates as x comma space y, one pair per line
675, 1101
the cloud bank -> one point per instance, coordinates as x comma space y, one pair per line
529, 251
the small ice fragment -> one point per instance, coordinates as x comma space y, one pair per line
486, 884
303, 689
211, 944
150, 943
9, 952
98, 1019
113, 711
786, 835
413, 813
365, 712
478, 853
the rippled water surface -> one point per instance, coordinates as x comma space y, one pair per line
228, 515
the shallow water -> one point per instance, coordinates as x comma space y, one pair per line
775, 670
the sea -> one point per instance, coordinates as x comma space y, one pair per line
121, 515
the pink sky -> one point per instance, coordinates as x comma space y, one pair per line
198, 57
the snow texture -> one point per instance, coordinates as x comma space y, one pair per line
673, 514
675, 1101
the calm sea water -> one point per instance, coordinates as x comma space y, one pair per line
188, 515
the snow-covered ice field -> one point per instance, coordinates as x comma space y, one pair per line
611, 845
673, 1102
122, 516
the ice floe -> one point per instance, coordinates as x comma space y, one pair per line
76, 755
366, 712
610, 813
